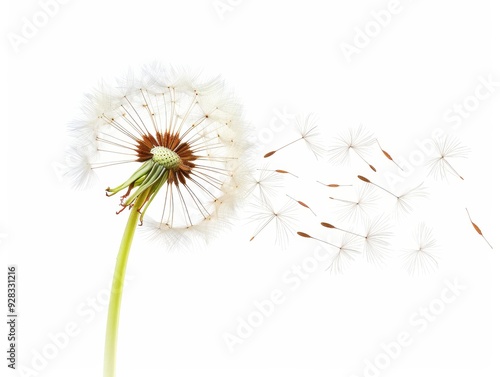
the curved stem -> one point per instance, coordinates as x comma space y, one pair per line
117, 288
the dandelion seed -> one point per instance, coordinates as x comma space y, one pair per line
333, 185
185, 141
478, 230
447, 148
375, 241
306, 235
330, 226
327, 225
346, 251
78, 169
267, 183
358, 141
388, 156
286, 172
302, 204
404, 200
283, 219
280, 171
362, 207
308, 130
421, 259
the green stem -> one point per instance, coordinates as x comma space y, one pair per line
117, 288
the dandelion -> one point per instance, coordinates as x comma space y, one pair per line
358, 141
184, 141
447, 148
283, 219
404, 201
477, 229
309, 133
421, 258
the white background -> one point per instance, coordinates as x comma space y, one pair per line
277, 55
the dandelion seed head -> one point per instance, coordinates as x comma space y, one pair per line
183, 137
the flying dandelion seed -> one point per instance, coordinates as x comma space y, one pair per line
184, 141
346, 251
330, 226
421, 259
478, 230
284, 220
404, 201
377, 237
358, 141
447, 148
309, 133
302, 204
333, 185
362, 207
388, 156
375, 241
281, 171
268, 184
